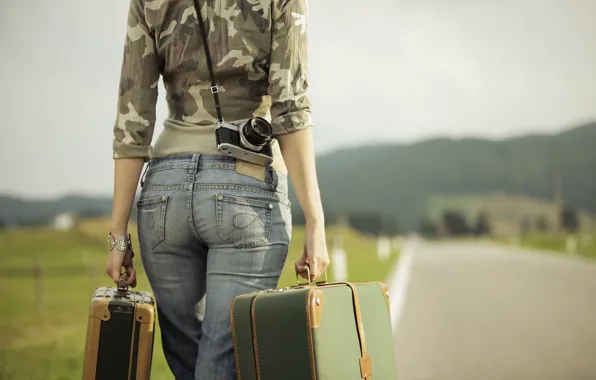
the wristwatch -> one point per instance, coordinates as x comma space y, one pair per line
123, 243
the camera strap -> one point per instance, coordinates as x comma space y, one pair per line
242, 167
214, 88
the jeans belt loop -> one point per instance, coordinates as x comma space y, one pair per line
194, 164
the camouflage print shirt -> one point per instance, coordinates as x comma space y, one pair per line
259, 54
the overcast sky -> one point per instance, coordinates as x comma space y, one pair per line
389, 70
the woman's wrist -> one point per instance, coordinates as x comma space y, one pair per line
315, 219
119, 228
313, 210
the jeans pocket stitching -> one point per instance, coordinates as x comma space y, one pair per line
255, 241
162, 202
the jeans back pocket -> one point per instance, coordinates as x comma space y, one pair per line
243, 222
151, 220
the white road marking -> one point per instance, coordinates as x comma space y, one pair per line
398, 282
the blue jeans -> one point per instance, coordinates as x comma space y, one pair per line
208, 234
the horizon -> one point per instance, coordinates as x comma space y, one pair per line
545, 131
322, 155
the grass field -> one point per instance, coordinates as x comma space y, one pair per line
47, 343
583, 245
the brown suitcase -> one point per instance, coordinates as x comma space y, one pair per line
120, 333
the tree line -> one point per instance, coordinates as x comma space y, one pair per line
454, 223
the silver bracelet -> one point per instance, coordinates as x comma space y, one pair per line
123, 243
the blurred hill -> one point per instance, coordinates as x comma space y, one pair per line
403, 182
398, 180
17, 211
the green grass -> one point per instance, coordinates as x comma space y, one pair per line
51, 345
586, 243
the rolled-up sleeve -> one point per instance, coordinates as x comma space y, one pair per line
137, 95
288, 71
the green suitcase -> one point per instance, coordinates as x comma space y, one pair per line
326, 331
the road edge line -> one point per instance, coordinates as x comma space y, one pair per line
398, 283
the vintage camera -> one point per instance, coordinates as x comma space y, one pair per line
250, 141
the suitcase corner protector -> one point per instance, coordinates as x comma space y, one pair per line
385, 290
316, 302
100, 310
145, 313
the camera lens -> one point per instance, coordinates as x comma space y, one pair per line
256, 133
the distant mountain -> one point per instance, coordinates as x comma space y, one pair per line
17, 211
398, 180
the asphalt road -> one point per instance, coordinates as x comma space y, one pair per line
488, 312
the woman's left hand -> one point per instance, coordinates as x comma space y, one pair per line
117, 260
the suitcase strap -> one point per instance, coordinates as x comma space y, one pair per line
365, 362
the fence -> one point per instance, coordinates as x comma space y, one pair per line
38, 272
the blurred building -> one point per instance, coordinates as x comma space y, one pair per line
64, 221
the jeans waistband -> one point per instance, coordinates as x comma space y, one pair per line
190, 160
199, 161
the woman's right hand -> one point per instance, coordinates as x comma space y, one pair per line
315, 253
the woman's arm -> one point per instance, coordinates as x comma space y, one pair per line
133, 130
297, 150
127, 172
290, 105
292, 123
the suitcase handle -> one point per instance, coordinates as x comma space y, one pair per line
307, 268
123, 284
